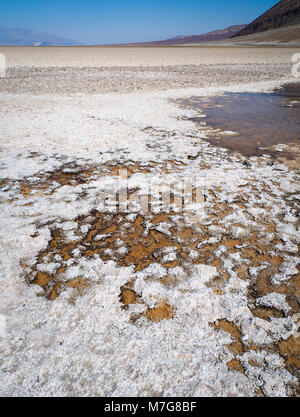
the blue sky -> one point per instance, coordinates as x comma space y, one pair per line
114, 21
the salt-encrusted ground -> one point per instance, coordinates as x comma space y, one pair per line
132, 304
97, 70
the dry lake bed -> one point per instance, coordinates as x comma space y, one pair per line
149, 228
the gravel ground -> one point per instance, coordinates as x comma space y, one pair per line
71, 80
92, 70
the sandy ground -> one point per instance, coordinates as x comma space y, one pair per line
105, 302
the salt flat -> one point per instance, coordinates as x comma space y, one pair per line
97, 56
131, 303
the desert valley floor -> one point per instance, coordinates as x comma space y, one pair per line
108, 302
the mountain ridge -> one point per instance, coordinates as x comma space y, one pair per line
26, 37
282, 14
215, 35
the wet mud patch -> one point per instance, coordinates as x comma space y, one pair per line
139, 240
246, 352
73, 175
236, 346
129, 240
240, 237
46, 182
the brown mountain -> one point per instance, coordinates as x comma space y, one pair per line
285, 13
287, 35
216, 35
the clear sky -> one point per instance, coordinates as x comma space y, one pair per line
117, 21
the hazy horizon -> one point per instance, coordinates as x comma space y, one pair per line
117, 21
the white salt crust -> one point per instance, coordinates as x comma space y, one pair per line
91, 348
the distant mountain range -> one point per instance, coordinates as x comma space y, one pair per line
216, 35
25, 37
280, 24
283, 14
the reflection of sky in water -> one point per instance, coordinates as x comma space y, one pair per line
260, 120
